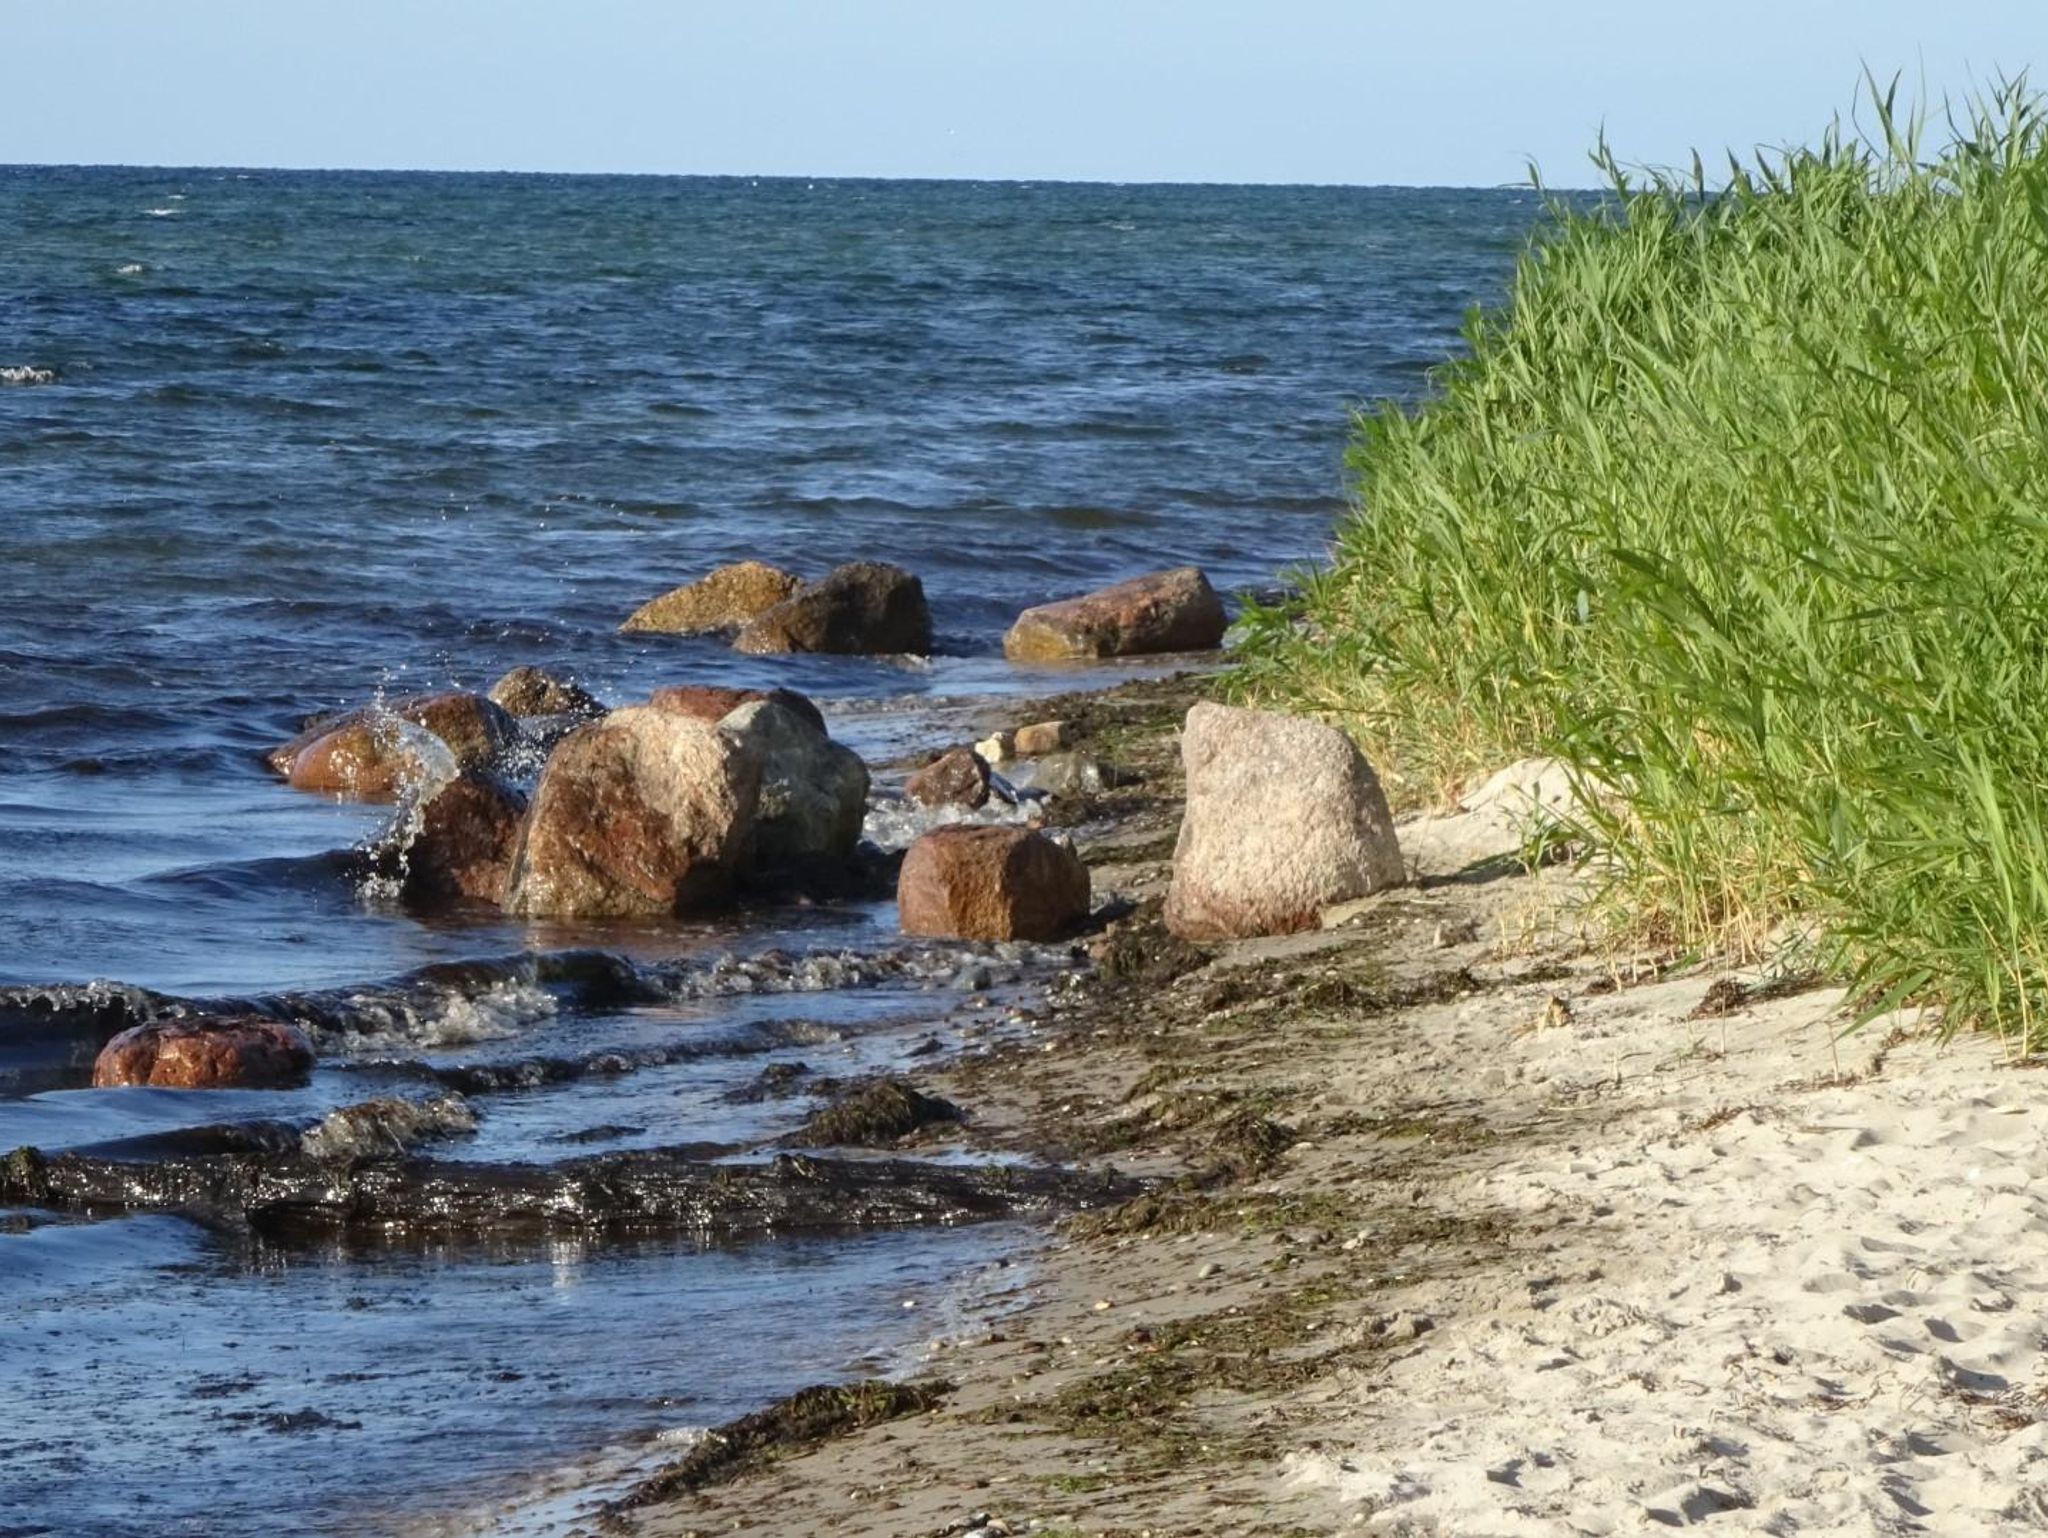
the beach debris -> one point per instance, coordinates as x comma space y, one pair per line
643, 812
1167, 611
1284, 818
722, 600
531, 691
206, 1052
863, 608
991, 883
958, 778
876, 1114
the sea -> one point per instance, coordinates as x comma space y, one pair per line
275, 443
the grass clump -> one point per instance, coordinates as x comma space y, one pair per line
1740, 505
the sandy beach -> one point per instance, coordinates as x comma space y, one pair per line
1465, 1226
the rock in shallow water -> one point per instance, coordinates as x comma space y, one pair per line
368, 755
814, 792
463, 840
725, 599
711, 702
640, 813
530, 691
991, 883
1284, 817
864, 608
209, 1052
958, 778
1168, 611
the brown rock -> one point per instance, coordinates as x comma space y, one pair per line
1039, 737
708, 702
366, 755
464, 840
643, 812
1284, 818
864, 608
530, 691
210, 1052
958, 778
969, 883
1168, 611
723, 600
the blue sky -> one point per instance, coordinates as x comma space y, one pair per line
1423, 91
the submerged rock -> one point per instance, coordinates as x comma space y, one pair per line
991, 883
710, 702
863, 608
1168, 611
724, 599
217, 1052
375, 1129
1284, 817
958, 778
640, 813
531, 691
463, 840
814, 792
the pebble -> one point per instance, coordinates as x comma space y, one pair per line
1213, 1268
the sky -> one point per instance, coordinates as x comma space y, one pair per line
1419, 92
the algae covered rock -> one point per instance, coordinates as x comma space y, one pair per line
723, 600
1284, 817
637, 814
1168, 611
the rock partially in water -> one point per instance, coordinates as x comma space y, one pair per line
1284, 818
958, 778
814, 792
376, 1129
724, 599
1168, 611
638, 814
866, 608
369, 755
220, 1052
991, 883
531, 691
463, 840
709, 702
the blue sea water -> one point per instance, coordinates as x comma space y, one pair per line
291, 439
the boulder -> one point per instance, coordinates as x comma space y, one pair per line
367, 755
865, 608
958, 778
463, 840
708, 702
814, 792
724, 600
981, 883
639, 813
208, 1052
1168, 611
530, 691
1284, 817
1040, 737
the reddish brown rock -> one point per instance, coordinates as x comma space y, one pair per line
863, 608
1039, 737
958, 778
1168, 611
531, 691
970, 883
211, 1052
1284, 818
463, 842
366, 755
709, 702
641, 813
724, 600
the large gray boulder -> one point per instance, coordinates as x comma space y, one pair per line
1284, 817
814, 792
639, 813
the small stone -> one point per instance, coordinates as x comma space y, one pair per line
1212, 1268
984, 883
1168, 611
1041, 737
959, 778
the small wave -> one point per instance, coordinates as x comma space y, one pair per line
26, 374
163, 213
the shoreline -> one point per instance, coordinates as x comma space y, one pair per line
1424, 1255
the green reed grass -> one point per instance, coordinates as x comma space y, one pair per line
1740, 504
